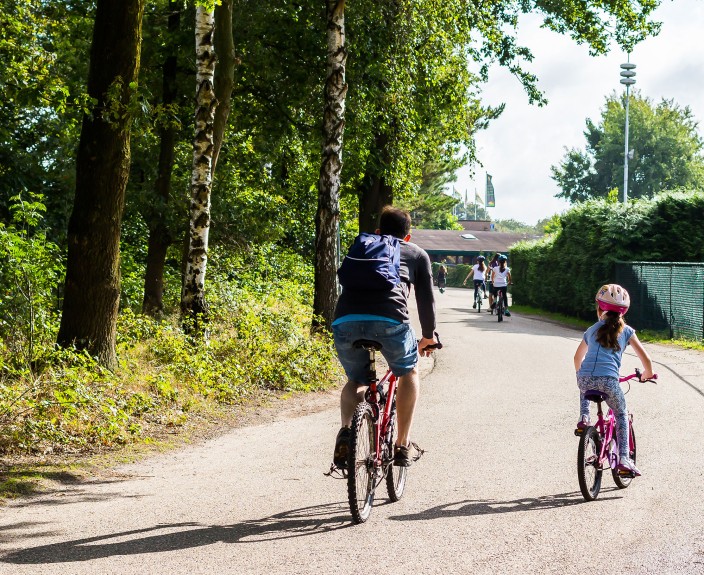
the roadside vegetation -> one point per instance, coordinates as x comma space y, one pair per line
58, 406
575, 260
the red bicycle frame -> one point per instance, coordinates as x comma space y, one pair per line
375, 396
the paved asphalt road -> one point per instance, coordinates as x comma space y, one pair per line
495, 493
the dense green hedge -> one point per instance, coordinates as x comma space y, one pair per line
562, 273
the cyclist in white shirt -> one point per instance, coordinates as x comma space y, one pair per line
501, 277
477, 272
492, 264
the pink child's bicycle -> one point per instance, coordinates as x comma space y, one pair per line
598, 448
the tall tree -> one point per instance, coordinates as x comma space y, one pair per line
193, 302
158, 211
92, 288
667, 152
432, 208
224, 73
160, 237
328, 214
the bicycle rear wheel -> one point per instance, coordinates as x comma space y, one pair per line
395, 475
500, 308
360, 463
622, 481
478, 301
588, 470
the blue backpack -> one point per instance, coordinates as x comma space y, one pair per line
372, 263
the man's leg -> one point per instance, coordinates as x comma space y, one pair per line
406, 397
351, 395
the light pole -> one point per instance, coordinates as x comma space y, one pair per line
627, 73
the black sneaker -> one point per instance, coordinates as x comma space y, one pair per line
474, 305
404, 457
342, 442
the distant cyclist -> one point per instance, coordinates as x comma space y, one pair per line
442, 278
598, 359
500, 278
383, 316
492, 264
478, 273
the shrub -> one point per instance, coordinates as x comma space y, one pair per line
260, 341
562, 273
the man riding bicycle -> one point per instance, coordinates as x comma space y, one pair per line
382, 315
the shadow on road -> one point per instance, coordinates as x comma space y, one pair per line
469, 507
177, 536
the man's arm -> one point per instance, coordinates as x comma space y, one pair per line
425, 300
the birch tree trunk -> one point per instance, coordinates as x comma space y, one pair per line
159, 237
92, 290
327, 217
193, 302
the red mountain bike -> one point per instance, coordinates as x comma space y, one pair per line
371, 450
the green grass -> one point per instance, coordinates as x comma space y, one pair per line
659, 337
552, 316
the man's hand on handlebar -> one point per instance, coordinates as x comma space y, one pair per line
426, 346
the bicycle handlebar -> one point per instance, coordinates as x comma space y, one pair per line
437, 345
637, 375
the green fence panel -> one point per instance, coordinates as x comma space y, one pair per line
665, 296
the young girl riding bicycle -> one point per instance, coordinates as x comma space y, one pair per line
477, 272
598, 359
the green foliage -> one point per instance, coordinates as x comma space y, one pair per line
30, 271
562, 272
415, 74
667, 152
456, 275
432, 208
43, 67
550, 225
515, 226
259, 342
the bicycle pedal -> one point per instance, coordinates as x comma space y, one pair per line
579, 432
336, 472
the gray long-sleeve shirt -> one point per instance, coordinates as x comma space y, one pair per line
415, 269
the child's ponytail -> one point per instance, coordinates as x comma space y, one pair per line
607, 335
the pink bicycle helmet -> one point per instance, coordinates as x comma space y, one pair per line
612, 297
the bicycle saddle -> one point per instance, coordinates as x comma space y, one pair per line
594, 395
367, 344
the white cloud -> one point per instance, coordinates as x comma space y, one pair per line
519, 148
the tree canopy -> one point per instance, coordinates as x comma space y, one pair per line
667, 152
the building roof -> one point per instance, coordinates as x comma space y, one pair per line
479, 225
464, 242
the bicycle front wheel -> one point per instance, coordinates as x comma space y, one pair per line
360, 463
395, 475
588, 468
624, 481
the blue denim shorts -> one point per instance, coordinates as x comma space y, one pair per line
398, 341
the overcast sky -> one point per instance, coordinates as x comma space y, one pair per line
519, 148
